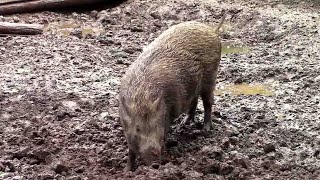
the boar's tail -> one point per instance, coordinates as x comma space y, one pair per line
221, 22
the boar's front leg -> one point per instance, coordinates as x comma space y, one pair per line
207, 98
131, 160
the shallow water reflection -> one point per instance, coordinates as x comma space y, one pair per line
245, 89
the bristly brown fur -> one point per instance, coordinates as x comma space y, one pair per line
165, 81
167, 58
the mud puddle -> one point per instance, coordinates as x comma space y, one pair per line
245, 89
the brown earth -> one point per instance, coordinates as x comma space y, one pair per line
58, 93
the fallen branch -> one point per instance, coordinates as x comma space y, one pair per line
20, 29
23, 6
12, 1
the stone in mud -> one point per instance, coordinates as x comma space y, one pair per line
269, 148
60, 167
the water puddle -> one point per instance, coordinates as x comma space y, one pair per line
61, 25
234, 49
245, 89
70, 27
91, 30
228, 48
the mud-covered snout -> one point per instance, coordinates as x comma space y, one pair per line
151, 155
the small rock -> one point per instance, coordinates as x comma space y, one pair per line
239, 80
74, 14
3, 97
195, 174
234, 132
129, 50
271, 155
9, 166
15, 19
76, 33
71, 105
303, 155
261, 116
136, 29
17, 177
33, 161
6, 116
220, 115
212, 152
269, 148
61, 115
316, 153
41, 154
285, 167
106, 40
266, 164
213, 168
79, 130
283, 144
108, 20
245, 109
155, 15
2, 168
60, 167
119, 61
6, 175
22, 152
120, 55
234, 140
80, 169
86, 103
242, 161
60, 176
74, 178
103, 115
94, 14
226, 169
225, 144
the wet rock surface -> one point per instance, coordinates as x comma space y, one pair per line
58, 94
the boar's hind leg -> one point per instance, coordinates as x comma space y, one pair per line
131, 160
191, 112
207, 98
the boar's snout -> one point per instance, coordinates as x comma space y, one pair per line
151, 155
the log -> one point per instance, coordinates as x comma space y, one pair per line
24, 6
20, 29
12, 1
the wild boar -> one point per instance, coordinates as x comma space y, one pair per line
165, 81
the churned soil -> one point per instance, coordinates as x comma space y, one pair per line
58, 93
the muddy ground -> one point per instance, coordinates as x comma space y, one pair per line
58, 93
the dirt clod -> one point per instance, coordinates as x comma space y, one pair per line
269, 148
226, 169
60, 167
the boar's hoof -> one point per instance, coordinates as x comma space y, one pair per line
129, 167
207, 127
186, 120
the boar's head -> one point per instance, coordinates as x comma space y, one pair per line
143, 121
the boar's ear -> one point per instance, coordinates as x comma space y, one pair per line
155, 105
